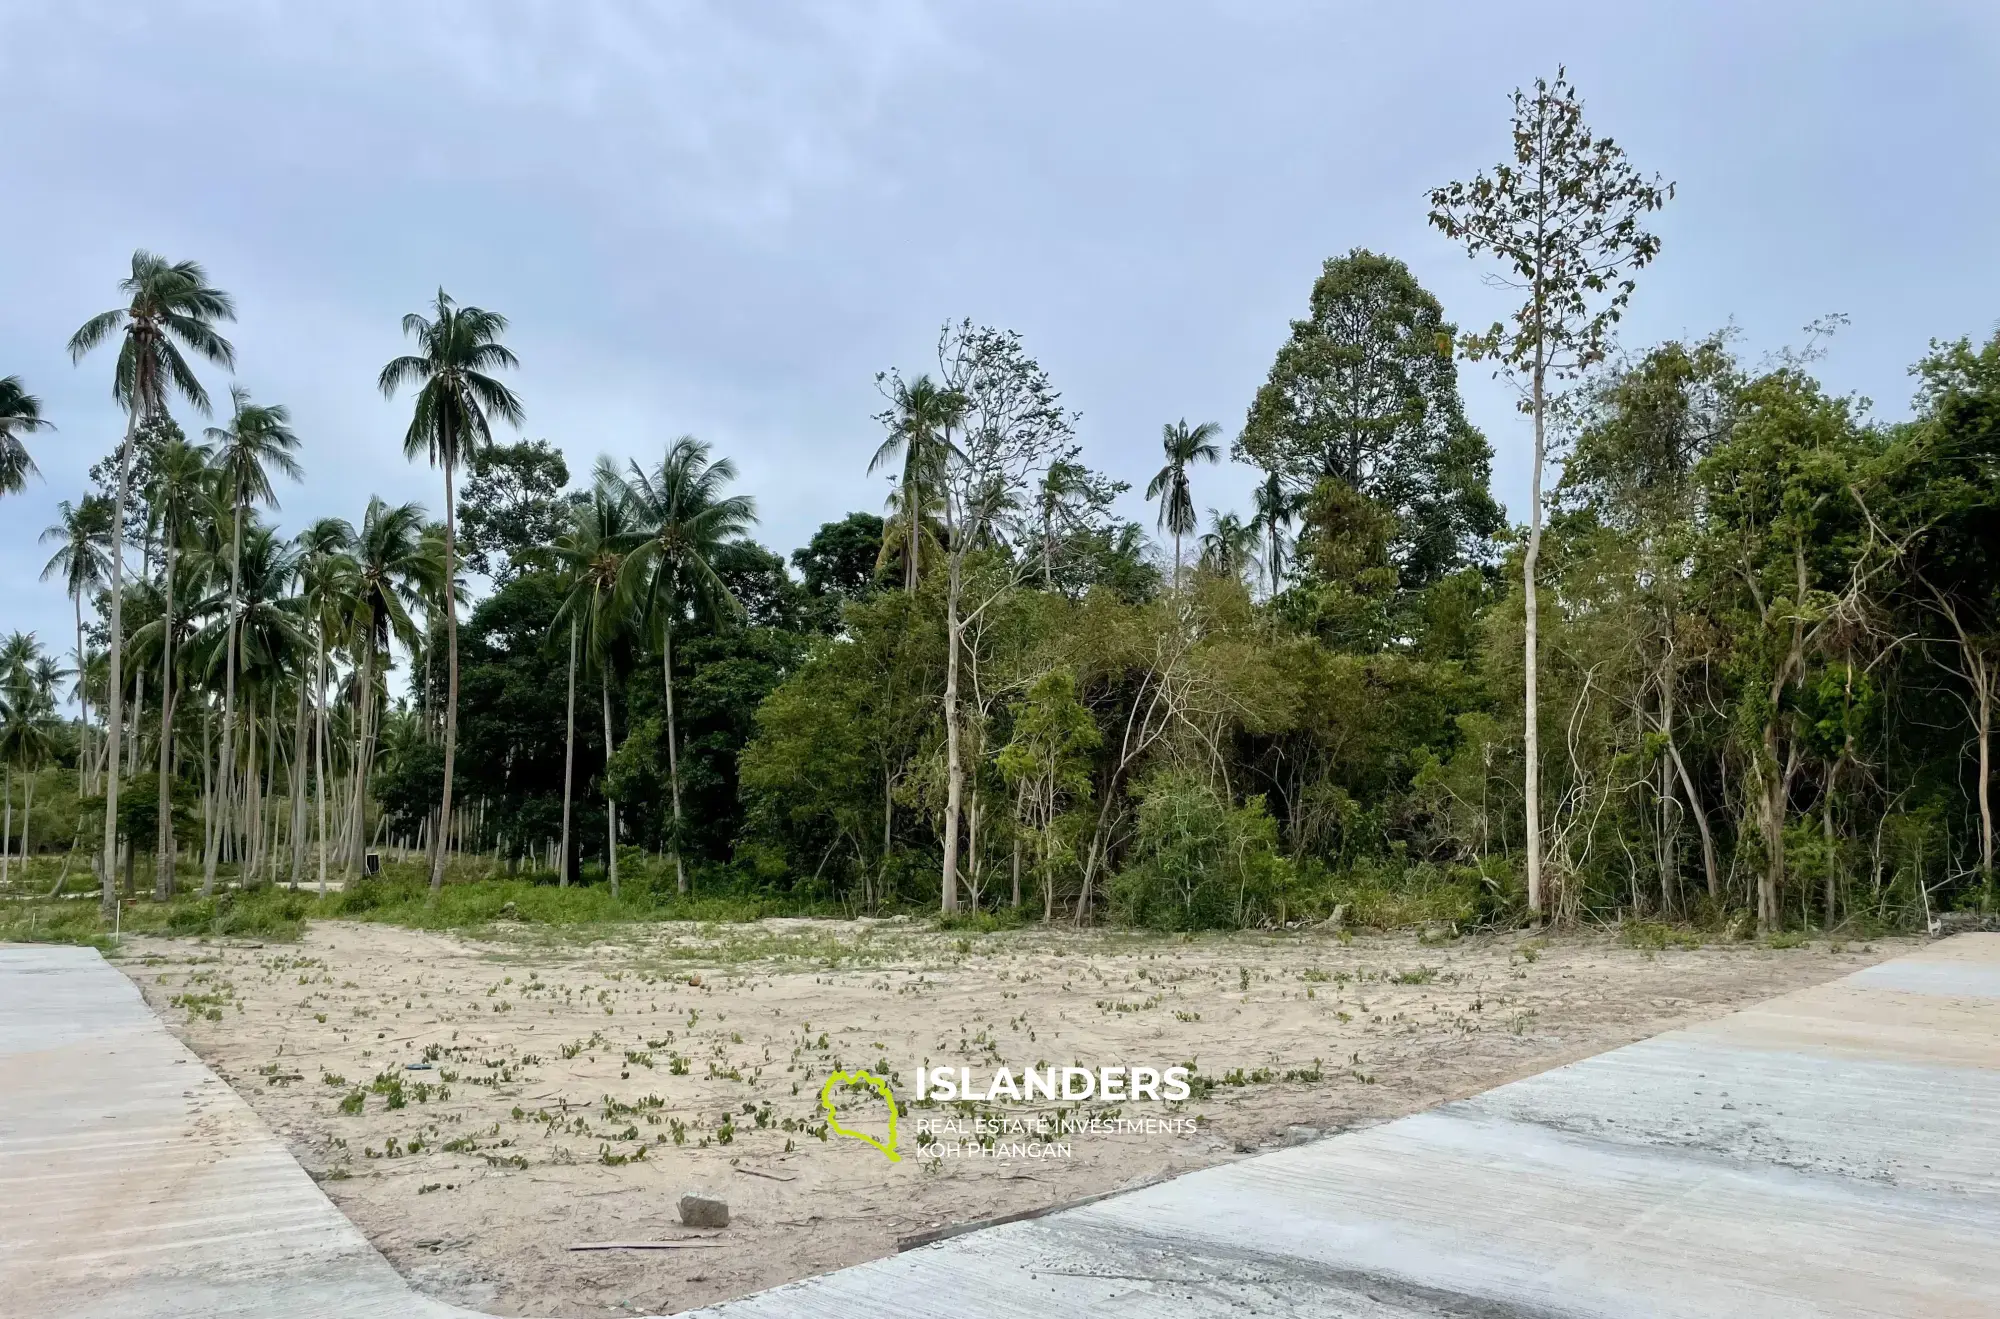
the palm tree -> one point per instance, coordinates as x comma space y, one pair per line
171, 307
329, 593
391, 570
1230, 545
458, 348
1185, 446
20, 414
1271, 514
257, 441
176, 495
82, 536
686, 521
27, 727
592, 552
921, 416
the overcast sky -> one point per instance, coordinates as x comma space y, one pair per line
725, 218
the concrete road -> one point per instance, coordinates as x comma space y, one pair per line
1832, 1152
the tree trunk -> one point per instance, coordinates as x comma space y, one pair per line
1531, 722
7, 824
1984, 675
114, 714
1771, 801
163, 845
27, 818
300, 751
569, 757
224, 804
365, 698
610, 802
673, 753
82, 701
954, 766
451, 651
319, 746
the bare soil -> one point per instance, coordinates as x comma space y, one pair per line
540, 1089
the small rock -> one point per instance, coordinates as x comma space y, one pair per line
1300, 1135
700, 1210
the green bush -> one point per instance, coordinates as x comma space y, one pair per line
1199, 862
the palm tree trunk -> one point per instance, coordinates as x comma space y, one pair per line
569, 758
82, 699
115, 714
7, 823
610, 802
163, 845
319, 753
251, 815
27, 817
224, 805
673, 754
298, 786
451, 654
365, 699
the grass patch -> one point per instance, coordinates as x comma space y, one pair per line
1656, 936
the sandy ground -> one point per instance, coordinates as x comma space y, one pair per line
531, 1092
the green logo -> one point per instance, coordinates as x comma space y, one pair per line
831, 1108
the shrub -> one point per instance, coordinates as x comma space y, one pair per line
1200, 862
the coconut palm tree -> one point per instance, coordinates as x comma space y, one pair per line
592, 553
20, 414
921, 417
175, 499
1229, 546
1271, 513
257, 441
82, 536
329, 593
1185, 446
686, 520
391, 570
27, 729
458, 349
170, 307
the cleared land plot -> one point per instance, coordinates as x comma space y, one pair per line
566, 1091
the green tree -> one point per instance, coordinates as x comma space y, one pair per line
174, 500
1184, 446
680, 510
81, 534
392, 569
513, 507
1048, 764
1271, 513
20, 414
1565, 219
171, 308
458, 349
592, 553
257, 441
920, 418
1365, 391
839, 561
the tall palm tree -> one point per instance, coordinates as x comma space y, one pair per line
329, 593
174, 501
457, 350
170, 307
20, 414
391, 571
82, 536
257, 441
592, 553
686, 519
1185, 446
1271, 513
921, 416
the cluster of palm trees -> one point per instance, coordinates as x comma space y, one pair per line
28, 733
255, 665
230, 614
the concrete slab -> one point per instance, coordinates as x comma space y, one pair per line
134, 1182
1832, 1152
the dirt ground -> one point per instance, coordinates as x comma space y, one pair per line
478, 1108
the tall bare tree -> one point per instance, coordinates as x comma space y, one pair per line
1565, 218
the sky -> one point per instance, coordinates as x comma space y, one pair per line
724, 219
